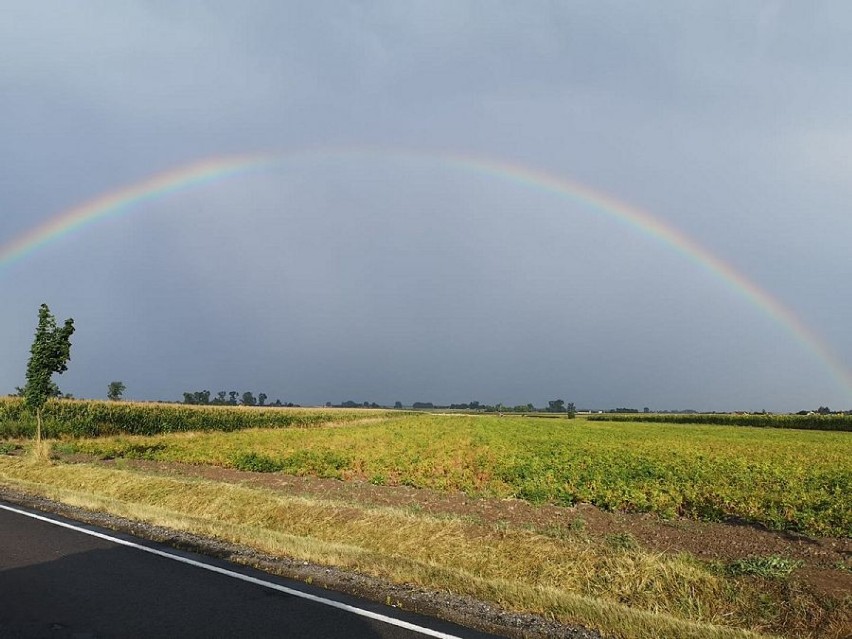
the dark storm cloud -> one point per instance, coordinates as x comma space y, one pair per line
378, 281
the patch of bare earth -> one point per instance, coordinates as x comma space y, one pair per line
826, 561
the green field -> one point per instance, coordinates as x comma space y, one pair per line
81, 418
813, 421
785, 479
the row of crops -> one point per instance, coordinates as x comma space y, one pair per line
78, 418
804, 422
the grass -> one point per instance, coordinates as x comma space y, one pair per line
626, 592
772, 567
784, 479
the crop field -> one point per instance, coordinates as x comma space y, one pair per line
234, 479
802, 422
78, 418
787, 480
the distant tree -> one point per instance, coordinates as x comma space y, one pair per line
201, 398
261, 399
397, 405
248, 399
220, 398
571, 410
115, 391
823, 410
556, 406
49, 354
232, 398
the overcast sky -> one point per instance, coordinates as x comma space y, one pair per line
329, 278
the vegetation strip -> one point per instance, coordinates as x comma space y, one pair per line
812, 421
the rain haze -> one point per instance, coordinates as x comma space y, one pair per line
706, 267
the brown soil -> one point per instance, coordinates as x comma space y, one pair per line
827, 562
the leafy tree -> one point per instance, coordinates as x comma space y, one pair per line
571, 410
198, 397
232, 398
261, 399
49, 354
248, 399
397, 405
556, 406
115, 391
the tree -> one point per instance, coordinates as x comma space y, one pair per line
556, 406
115, 391
261, 399
49, 354
248, 399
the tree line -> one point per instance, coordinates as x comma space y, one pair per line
553, 406
232, 398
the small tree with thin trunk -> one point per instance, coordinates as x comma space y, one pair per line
49, 354
115, 390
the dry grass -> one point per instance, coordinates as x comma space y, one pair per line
621, 591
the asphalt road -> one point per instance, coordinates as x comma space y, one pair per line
57, 583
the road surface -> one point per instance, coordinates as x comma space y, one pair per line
58, 582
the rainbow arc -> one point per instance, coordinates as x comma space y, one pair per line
130, 198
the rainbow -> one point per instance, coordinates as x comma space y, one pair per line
123, 200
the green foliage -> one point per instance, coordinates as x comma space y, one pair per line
6, 448
76, 418
49, 354
623, 541
816, 421
256, 463
772, 567
324, 463
115, 391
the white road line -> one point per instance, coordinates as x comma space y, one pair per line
253, 580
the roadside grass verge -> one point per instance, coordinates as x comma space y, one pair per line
617, 588
784, 479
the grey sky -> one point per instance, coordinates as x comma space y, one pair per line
383, 280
